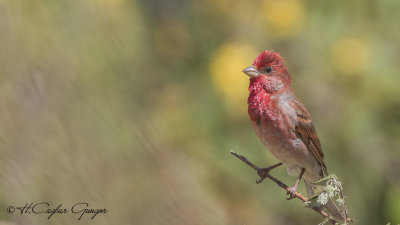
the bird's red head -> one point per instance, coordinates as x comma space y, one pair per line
270, 71
269, 58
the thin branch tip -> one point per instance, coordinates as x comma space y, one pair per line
284, 186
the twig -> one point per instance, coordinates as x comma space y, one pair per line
346, 215
284, 186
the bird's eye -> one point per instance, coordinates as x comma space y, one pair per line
268, 69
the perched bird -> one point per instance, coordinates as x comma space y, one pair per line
283, 124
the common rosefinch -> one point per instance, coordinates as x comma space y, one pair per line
283, 124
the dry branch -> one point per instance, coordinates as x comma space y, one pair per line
284, 186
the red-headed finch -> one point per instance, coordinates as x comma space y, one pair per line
283, 124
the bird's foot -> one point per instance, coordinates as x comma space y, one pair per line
292, 192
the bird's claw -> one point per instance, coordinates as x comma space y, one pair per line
262, 172
291, 192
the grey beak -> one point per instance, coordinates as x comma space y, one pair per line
251, 71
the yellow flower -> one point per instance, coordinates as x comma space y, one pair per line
350, 55
226, 71
285, 17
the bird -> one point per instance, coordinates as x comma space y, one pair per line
283, 124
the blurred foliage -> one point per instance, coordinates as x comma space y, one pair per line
285, 18
133, 105
226, 72
350, 55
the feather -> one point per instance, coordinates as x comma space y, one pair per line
305, 130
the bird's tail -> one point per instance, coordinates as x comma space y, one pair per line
329, 207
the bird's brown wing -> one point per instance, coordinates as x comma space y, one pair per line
305, 130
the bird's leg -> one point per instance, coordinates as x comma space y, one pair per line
292, 190
263, 172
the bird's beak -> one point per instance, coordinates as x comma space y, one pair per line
251, 71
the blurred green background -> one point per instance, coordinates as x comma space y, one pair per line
133, 106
